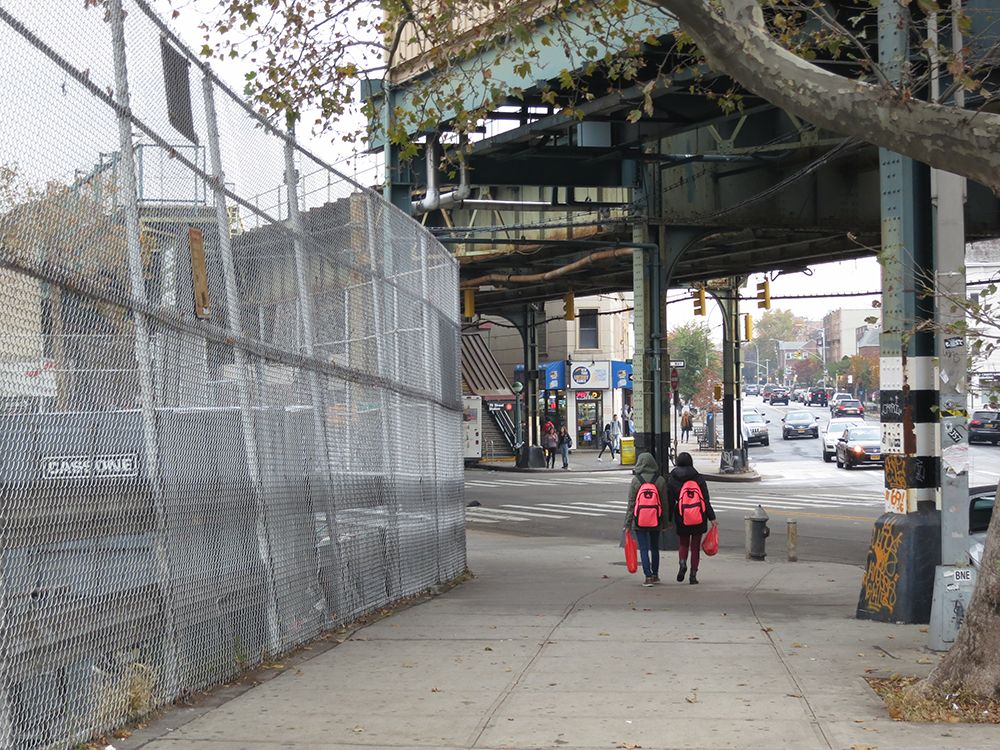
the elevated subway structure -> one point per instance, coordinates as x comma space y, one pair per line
700, 195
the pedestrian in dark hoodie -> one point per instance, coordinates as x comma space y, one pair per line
688, 535
647, 539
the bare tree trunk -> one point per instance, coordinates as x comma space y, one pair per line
732, 36
974, 661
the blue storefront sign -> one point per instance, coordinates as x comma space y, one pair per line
621, 374
551, 375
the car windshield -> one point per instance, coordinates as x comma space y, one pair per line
850, 402
753, 418
984, 415
799, 416
865, 433
838, 425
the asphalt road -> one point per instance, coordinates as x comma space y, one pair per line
833, 508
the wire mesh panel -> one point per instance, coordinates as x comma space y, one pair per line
229, 388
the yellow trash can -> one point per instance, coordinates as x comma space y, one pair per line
627, 453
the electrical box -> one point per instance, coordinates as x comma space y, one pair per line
953, 587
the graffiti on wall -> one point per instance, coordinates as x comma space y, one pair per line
882, 574
895, 471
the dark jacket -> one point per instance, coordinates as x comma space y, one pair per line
678, 477
646, 470
565, 440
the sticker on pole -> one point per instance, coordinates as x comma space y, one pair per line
953, 342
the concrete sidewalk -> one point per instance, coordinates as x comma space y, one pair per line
555, 645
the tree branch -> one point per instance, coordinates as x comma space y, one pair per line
731, 34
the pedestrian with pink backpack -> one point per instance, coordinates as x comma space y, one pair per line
690, 509
646, 514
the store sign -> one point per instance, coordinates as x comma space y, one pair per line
621, 375
590, 375
87, 467
588, 395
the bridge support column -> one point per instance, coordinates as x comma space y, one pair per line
649, 301
732, 458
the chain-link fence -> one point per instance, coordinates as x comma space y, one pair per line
228, 402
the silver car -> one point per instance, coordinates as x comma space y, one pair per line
834, 429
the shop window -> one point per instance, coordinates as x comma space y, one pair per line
587, 322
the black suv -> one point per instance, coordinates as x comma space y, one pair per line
984, 427
779, 396
817, 396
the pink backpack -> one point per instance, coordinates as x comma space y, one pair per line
647, 506
691, 504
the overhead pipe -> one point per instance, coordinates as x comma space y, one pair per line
433, 199
501, 278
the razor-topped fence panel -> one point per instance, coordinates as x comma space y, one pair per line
228, 381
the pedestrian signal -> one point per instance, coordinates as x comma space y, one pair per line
764, 294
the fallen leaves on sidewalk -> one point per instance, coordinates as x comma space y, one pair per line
933, 706
628, 745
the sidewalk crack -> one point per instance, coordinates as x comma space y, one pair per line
813, 719
513, 684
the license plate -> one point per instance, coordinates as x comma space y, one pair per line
989, 425
876, 456
802, 429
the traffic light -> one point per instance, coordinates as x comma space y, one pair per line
747, 328
764, 294
469, 303
699, 301
717, 392
569, 309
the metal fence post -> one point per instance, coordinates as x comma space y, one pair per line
142, 349
233, 321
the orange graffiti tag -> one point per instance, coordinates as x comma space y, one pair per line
895, 471
882, 574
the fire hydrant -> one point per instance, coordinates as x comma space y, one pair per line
756, 533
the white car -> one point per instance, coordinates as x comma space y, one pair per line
755, 429
834, 429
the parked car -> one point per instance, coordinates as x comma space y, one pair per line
778, 396
752, 390
984, 427
834, 430
846, 407
981, 501
860, 444
755, 429
799, 424
817, 397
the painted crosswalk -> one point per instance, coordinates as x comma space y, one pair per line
722, 501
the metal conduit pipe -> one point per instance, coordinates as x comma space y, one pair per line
501, 278
433, 199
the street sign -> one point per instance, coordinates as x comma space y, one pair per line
677, 363
675, 379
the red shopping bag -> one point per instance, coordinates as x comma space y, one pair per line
631, 553
711, 543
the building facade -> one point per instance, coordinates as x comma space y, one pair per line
585, 370
842, 329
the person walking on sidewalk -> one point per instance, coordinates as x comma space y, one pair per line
565, 443
616, 432
686, 421
647, 534
690, 509
550, 441
607, 441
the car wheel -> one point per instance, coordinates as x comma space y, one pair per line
827, 457
847, 464
840, 464
766, 442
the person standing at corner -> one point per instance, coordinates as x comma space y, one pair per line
686, 426
689, 507
607, 441
647, 537
550, 441
565, 443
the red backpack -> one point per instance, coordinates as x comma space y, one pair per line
691, 504
647, 506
